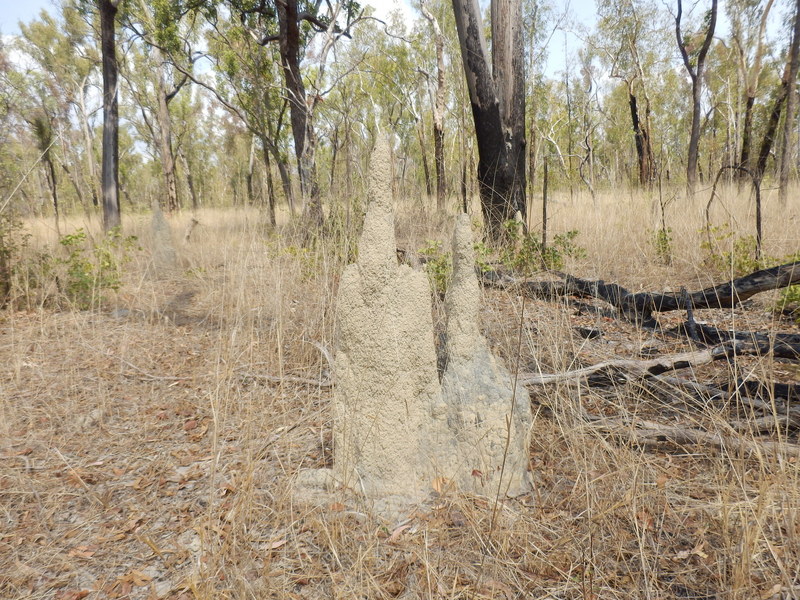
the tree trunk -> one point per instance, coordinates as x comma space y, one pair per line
165, 138
498, 107
772, 127
696, 75
644, 150
299, 113
751, 77
747, 131
423, 149
189, 180
251, 194
438, 111
787, 149
283, 172
334, 156
110, 171
270, 191
52, 182
87, 136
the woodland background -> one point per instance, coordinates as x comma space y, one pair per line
162, 385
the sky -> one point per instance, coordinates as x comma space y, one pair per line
13, 11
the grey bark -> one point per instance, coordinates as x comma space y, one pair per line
438, 110
165, 137
110, 164
696, 75
787, 150
299, 114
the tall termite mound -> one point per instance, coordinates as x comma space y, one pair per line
399, 431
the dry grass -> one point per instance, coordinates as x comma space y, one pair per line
146, 454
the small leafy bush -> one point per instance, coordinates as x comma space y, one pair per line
728, 253
13, 241
661, 240
438, 265
789, 300
89, 270
524, 253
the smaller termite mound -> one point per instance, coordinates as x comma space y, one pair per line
488, 417
399, 432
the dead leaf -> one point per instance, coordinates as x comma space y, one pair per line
662, 481
190, 424
140, 579
645, 520
276, 544
83, 551
397, 533
773, 591
81, 477
698, 550
71, 594
440, 484
132, 524
337, 507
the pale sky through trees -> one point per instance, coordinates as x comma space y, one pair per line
14, 11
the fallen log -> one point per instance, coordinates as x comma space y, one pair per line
651, 433
781, 345
625, 369
639, 307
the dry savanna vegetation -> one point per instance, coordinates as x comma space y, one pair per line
150, 434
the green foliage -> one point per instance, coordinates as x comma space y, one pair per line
789, 300
482, 255
728, 253
438, 265
12, 242
92, 269
735, 255
661, 240
524, 252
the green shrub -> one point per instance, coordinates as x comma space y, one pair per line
89, 270
789, 301
524, 252
728, 253
13, 241
661, 240
438, 265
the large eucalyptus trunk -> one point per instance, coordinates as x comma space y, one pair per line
165, 138
497, 96
772, 127
299, 113
747, 132
641, 137
438, 110
696, 74
787, 150
110, 163
268, 180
